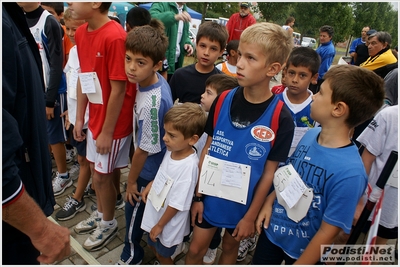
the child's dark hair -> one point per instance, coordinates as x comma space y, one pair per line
214, 32
289, 20
57, 6
138, 16
304, 57
222, 82
104, 7
116, 19
148, 41
188, 118
361, 89
232, 45
328, 29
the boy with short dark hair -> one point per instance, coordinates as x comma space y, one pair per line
301, 70
187, 84
229, 67
145, 48
243, 135
102, 87
329, 164
167, 225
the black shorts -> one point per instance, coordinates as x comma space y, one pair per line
206, 225
383, 232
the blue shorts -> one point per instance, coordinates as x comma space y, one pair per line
161, 249
56, 126
80, 146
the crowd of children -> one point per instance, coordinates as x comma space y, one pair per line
225, 121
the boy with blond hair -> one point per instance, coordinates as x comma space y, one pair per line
167, 225
329, 165
102, 86
245, 133
145, 48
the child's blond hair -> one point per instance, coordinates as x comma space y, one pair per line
273, 39
68, 16
187, 118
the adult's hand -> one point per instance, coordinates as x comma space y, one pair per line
45, 243
189, 49
184, 16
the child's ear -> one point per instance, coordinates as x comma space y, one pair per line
273, 69
314, 79
340, 109
157, 66
193, 140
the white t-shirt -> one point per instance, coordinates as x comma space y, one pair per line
71, 70
380, 138
231, 68
184, 172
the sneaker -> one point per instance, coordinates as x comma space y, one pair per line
70, 155
179, 249
89, 192
60, 184
210, 256
70, 209
252, 243
118, 205
74, 171
101, 237
243, 249
87, 225
120, 202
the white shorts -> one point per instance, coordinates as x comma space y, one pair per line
117, 159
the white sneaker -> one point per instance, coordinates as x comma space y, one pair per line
243, 249
179, 249
210, 256
87, 225
61, 183
101, 237
74, 171
70, 155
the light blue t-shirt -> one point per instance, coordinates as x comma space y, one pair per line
338, 179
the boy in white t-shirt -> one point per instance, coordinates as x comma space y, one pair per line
75, 203
169, 195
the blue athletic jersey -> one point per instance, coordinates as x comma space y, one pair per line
246, 145
300, 112
338, 179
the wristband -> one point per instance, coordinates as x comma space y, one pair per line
197, 199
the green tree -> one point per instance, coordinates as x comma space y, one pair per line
276, 12
214, 9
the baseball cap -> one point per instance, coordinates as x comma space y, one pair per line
371, 32
245, 4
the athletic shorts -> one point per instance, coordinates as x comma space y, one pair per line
383, 232
118, 158
206, 225
160, 248
80, 146
56, 126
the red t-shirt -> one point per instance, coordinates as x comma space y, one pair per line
237, 24
103, 51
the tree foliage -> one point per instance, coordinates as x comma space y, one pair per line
347, 18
